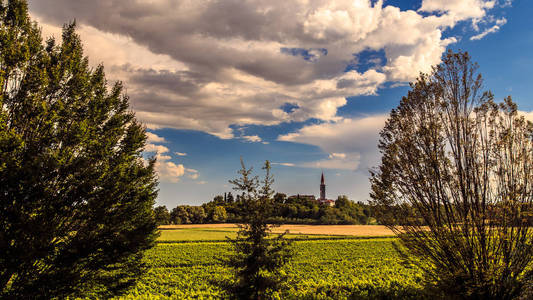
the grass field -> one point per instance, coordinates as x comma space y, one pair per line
186, 264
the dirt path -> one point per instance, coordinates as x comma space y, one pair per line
356, 230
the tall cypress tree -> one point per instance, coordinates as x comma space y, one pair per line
76, 195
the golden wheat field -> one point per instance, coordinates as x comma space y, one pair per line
352, 230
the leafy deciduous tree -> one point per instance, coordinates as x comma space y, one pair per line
180, 215
162, 215
219, 214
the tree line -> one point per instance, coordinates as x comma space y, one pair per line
298, 209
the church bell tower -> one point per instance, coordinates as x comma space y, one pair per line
322, 187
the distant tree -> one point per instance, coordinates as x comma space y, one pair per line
291, 211
258, 259
219, 214
229, 198
219, 199
76, 196
342, 202
197, 214
162, 216
280, 198
455, 182
180, 215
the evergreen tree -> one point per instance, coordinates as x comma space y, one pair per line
258, 259
76, 195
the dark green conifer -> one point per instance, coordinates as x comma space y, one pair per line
76, 195
258, 259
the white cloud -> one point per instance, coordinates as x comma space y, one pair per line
183, 72
180, 153
352, 143
284, 164
350, 161
168, 171
155, 148
459, 9
493, 29
337, 155
154, 138
252, 138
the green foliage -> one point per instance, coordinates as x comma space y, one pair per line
186, 214
75, 194
322, 269
180, 215
219, 214
162, 215
292, 210
257, 259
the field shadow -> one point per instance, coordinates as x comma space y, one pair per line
368, 292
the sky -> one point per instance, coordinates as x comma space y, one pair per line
305, 84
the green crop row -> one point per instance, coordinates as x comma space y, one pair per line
320, 269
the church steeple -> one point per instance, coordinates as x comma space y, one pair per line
322, 187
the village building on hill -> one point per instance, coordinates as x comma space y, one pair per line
322, 200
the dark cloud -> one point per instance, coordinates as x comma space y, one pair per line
184, 83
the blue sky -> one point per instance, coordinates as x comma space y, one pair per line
304, 85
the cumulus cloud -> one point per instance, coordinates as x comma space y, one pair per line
154, 138
167, 170
206, 65
459, 9
155, 148
180, 153
351, 143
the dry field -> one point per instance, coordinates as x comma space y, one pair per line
353, 230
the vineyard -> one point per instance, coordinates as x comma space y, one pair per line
323, 267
